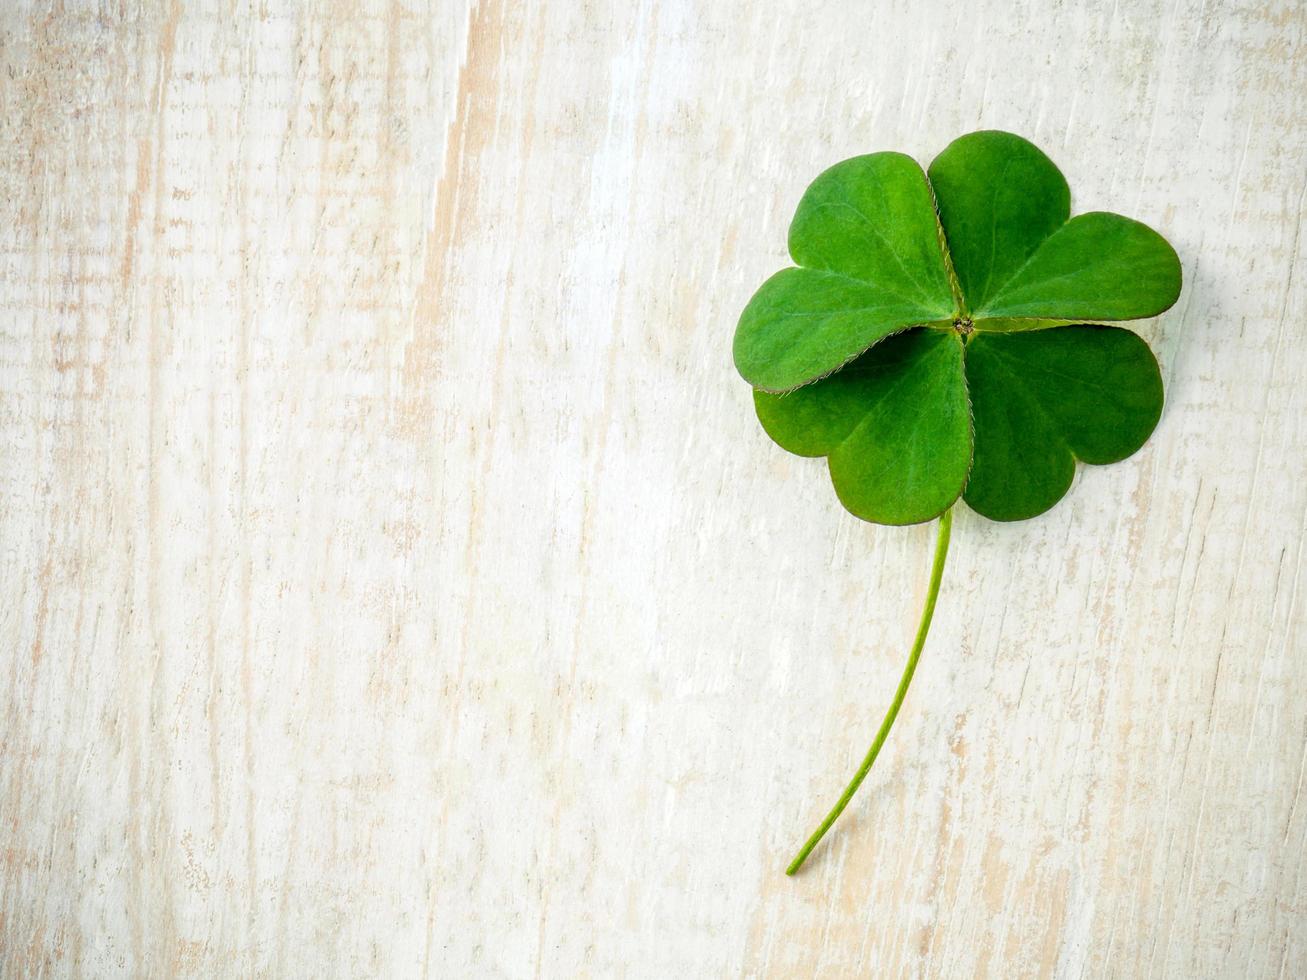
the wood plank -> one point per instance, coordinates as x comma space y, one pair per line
397, 583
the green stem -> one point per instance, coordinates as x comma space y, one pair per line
936, 573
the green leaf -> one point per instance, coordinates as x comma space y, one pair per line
1097, 266
938, 356
1045, 388
894, 424
866, 237
1004, 205
1040, 400
999, 198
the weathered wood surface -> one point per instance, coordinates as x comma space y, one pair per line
396, 582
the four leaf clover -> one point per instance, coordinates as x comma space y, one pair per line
947, 334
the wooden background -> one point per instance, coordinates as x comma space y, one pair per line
397, 583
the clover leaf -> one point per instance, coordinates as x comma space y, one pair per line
970, 273
948, 334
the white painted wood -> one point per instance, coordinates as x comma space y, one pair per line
396, 582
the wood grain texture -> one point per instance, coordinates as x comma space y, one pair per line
396, 581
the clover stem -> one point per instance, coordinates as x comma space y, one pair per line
936, 574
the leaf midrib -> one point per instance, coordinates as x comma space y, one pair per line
870, 226
907, 300
1003, 361
867, 417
